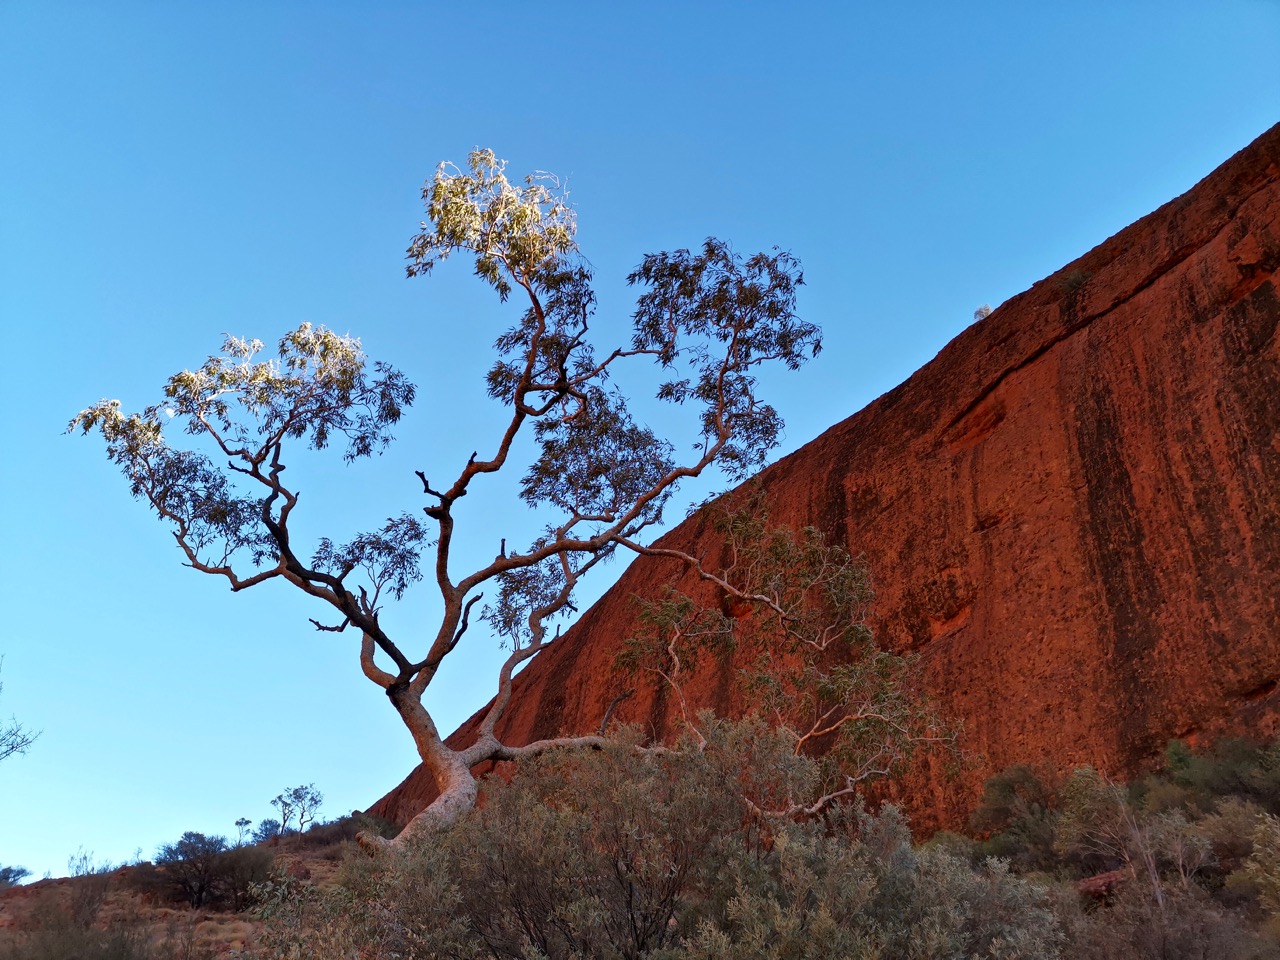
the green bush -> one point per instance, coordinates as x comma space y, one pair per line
625, 854
667, 855
207, 872
1016, 818
1231, 767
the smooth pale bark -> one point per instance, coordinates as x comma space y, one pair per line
451, 771
449, 768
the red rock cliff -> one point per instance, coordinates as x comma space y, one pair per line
1072, 513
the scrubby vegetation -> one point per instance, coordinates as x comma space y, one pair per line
69, 923
671, 854
1181, 863
626, 854
55, 938
187, 904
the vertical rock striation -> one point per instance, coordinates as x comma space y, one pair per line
1072, 513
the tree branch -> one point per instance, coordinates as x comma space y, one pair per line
371, 669
613, 705
338, 629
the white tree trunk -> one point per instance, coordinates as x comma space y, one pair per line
449, 768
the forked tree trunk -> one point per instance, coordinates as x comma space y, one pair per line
458, 786
458, 792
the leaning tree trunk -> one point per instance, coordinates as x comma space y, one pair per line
449, 768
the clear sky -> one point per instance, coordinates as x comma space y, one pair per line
170, 172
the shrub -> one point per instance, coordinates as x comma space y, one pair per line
241, 869
624, 853
89, 892
61, 941
12, 876
266, 830
206, 871
1016, 814
55, 936
193, 865
1232, 767
329, 837
66, 924
1263, 867
1134, 926
620, 853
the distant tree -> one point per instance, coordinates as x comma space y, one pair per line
284, 803
301, 802
12, 876
307, 800
13, 738
982, 312
267, 829
710, 320
242, 830
194, 865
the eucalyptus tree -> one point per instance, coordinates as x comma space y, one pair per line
709, 319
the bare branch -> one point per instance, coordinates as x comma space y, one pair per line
338, 629
500, 751
613, 705
371, 669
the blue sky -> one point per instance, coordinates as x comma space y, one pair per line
174, 172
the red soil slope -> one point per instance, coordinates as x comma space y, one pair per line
1072, 513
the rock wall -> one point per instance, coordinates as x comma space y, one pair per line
1072, 513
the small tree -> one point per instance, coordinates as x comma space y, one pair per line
284, 803
307, 800
194, 864
266, 830
709, 319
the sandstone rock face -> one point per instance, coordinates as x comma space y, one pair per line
1072, 514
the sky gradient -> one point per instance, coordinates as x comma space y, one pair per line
175, 172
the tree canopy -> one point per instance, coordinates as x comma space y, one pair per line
710, 319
